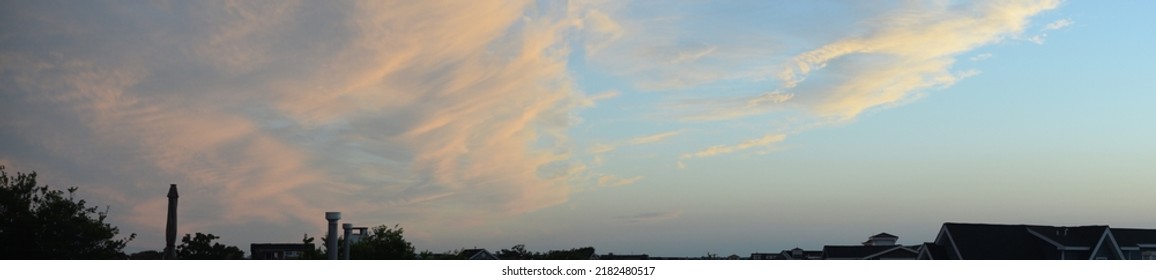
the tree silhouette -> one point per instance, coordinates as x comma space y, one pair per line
383, 243
518, 252
584, 253
41, 223
447, 255
202, 247
314, 253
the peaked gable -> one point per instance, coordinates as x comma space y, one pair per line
1107, 248
997, 242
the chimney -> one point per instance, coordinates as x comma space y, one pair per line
331, 239
171, 225
348, 241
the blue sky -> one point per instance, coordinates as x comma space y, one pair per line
673, 128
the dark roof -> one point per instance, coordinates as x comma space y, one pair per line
853, 251
470, 254
884, 235
1084, 236
906, 252
280, 247
270, 251
786, 255
1034, 242
997, 242
1130, 237
935, 251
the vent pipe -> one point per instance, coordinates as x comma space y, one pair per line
348, 228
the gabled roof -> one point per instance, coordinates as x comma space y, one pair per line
933, 251
997, 242
884, 235
865, 252
901, 252
788, 255
1082, 236
1130, 237
477, 254
851, 251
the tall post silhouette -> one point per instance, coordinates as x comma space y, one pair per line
331, 240
171, 225
348, 228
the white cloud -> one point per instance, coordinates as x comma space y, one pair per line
909, 50
1059, 24
726, 149
426, 113
601, 148
1038, 39
873, 58
981, 57
654, 138
1042, 37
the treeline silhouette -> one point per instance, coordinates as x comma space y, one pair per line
41, 223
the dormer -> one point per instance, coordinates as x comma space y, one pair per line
882, 239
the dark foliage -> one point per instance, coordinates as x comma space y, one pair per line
202, 247
37, 222
383, 243
315, 253
518, 252
584, 253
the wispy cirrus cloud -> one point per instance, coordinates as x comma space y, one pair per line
1059, 24
883, 56
278, 111
1055, 25
908, 50
436, 114
726, 149
599, 148
650, 217
654, 138
981, 57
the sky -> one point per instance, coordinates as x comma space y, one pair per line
671, 128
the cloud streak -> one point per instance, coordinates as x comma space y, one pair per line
435, 114
654, 138
276, 112
726, 149
650, 217
909, 50
610, 181
887, 56
1059, 24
